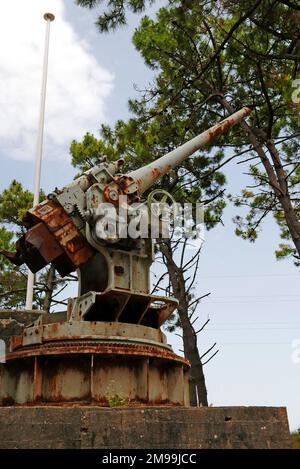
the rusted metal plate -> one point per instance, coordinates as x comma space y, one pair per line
51, 237
87, 372
158, 384
93, 362
127, 380
16, 341
39, 237
123, 305
96, 347
66, 379
64, 230
81, 330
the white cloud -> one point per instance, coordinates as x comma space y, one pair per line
77, 89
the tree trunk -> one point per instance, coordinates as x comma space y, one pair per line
291, 219
198, 391
50, 278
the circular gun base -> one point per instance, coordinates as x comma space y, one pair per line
93, 363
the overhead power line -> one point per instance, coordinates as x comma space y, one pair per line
249, 275
254, 329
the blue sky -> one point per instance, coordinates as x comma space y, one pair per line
254, 303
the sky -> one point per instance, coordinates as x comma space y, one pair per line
254, 302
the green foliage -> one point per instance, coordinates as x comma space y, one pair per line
86, 153
12, 287
12, 279
14, 203
117, 401
115, 14
6, 244
295, 437
263, 202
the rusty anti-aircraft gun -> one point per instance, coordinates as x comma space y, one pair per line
113, 326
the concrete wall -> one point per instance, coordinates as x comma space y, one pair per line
12, 321
94, 427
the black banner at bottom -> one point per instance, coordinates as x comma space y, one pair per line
148, 457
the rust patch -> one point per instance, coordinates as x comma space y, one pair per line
219, 129
75, 244
124, 182
107, 190
16, 341
7, 401
54, 327
39, 237
156, 173
54, 234
120, 185
95, 202
101, 348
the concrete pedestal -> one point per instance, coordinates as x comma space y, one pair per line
125, 427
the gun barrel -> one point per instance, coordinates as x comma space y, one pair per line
146, 176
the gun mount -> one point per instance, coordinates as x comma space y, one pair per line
110, 342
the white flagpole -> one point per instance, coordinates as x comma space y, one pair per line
39, 146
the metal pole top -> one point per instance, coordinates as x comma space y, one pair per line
49, 16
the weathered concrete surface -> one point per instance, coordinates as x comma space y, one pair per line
13, 321
94, 427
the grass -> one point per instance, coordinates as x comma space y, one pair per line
117, 401
295, 436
